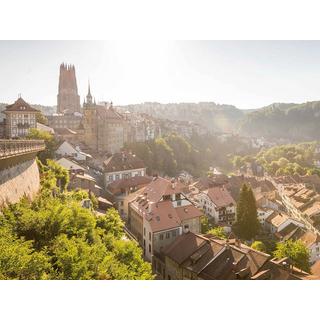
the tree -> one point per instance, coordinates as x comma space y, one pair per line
247, 225
218, 232
111, 223
49, 140
296, 251
259, 246
18, 260
205, 224
41, 118
54, 237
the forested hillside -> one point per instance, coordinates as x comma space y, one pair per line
293, 121
214, 116
171, 154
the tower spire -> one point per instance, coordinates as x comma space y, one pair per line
89, 96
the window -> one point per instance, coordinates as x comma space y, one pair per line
149, 248
161, 236
174, 233
150, 236
117, 177
167, 235
144, 231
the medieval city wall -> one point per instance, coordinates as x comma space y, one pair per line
20, 180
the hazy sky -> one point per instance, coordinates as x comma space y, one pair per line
247, 74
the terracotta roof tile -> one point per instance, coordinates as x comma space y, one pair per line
220, 196
123, 161
20, 105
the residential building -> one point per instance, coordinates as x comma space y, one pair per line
303, 203
263, 214
118, 190
203, 257
123, 165
161, 213
218, 204
20, 118
79, 177
66, 149
277, 221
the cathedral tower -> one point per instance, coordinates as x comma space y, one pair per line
68, 98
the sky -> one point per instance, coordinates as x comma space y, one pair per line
247, 74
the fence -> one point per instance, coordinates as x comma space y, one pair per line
9, 148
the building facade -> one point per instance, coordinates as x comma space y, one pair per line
161, 213
104, 127
20, 118
68, 97
218, 204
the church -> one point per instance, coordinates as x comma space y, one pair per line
105, 129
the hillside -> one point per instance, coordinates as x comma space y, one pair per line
214, 116
285, 120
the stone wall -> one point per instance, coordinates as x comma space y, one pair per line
19, 180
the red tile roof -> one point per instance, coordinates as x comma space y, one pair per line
123, 161
159, 187
210, 258
130, 182
20, 105
220, 196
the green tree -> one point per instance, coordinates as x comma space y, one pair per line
218, 232
205, 224
18, 260
259, 246
296, 251
247, 225
111, 223
41, 118
49, 140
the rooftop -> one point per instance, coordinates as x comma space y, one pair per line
123, 161
20, 105
210, 258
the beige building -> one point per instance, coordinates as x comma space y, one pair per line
219, 205
104, 128
20, 118
160, 214
122, 165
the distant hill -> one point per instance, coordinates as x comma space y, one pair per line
285, 120
216, 117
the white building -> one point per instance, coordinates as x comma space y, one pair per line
66, 149
218, 204
20, 118
122, 165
